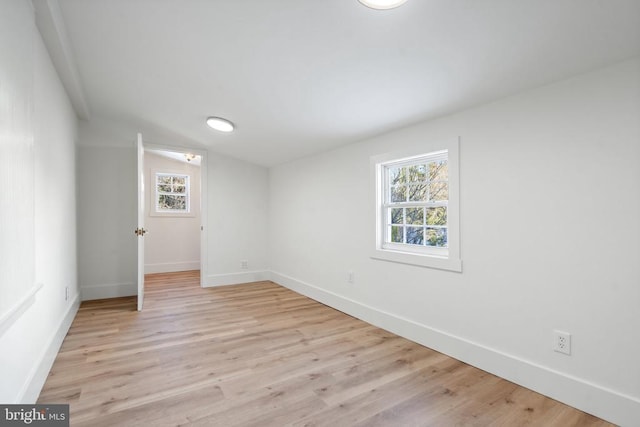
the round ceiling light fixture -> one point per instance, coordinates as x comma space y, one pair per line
218, 123
382, 4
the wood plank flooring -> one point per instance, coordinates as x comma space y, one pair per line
258, 354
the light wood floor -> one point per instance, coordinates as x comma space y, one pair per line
261, 355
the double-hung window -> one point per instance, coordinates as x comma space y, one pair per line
417, 208
415, 204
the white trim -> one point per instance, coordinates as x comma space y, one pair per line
236, 278
153, 193
110, 290
430, 261
404, 160
598, 400
38, 375
169, 267
11, 315
204, 197
433, 258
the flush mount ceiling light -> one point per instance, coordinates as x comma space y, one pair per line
218, 123
382, 4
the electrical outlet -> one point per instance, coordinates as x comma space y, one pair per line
350, 277
66, 293
562, 342
244, 264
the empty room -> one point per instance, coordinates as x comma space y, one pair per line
320, 213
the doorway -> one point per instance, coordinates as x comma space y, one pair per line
174, 210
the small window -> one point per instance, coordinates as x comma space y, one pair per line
416, 197
417, 208
171, 193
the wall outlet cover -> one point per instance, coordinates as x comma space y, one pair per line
562, 342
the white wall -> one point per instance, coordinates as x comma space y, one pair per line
237, 209
172, 243
17, 166
29, 346
550, 201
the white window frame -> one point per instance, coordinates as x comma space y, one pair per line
425, 256
154, 211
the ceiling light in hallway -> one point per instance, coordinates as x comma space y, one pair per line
218, 123
382, 4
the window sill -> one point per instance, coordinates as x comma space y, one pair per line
172, 214
428, 261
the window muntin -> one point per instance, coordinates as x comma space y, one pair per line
172, 193
415, 204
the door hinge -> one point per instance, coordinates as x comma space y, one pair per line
140, 231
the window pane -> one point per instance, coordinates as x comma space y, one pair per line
397, 234
164, 188
418, 193
436, 237
163, 179
415, 235
417, 173
415, 216
438, 171
174, 203
397, 215
179, 189
397, 176
162, 201
437, 216
180, 180
439, 191
398, 194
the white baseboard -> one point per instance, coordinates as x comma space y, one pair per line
30, 392
235, 278
170, 267
602, 402
113, 290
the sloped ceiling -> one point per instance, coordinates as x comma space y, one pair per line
301, 76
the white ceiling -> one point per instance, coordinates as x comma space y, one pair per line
301, 76
173, 155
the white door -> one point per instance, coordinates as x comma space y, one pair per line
140, 231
